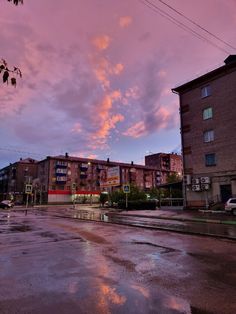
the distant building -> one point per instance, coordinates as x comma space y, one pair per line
65, 177
14, 177
208, 131
166, 164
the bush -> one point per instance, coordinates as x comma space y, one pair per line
138, 205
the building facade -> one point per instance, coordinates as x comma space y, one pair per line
64, 178
14, 177
208, 132
166, 164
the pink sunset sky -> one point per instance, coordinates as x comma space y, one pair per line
97, 74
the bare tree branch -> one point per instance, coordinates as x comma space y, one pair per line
16, 2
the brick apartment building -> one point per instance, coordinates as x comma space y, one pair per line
64, 177
14, 177
208, 131
166, 164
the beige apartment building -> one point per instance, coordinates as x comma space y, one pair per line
167, 164
208, 131
63, 178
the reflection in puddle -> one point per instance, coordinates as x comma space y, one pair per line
163, 224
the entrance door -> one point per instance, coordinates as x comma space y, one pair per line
225, 192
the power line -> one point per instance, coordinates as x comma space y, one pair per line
20, 151
173, 20
196, 24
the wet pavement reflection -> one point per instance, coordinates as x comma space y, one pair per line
202, 228
52, 264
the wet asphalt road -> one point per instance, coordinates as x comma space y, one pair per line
221, 230
59, 265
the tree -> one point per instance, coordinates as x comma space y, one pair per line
8, 74
174, 177
103, 198
16, 2
134, 195
154, 193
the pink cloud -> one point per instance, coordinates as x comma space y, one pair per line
136, 130
125, 21
77, 128
161, 119
104, 69
102, 42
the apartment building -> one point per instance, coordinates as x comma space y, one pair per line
14, 177
63, 178
208, 132
166, 164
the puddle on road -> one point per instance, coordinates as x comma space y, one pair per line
20, 228
163, 249
47, 234
180, 226
129, 266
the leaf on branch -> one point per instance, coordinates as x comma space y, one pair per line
4, 62
16, 2
2, 67
5, 76
13, 81
17, 71
7, 72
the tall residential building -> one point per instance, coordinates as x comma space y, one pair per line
166, 164
64, 177
14, 177
208, 131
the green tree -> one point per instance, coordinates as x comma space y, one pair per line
174, 177
135, 194
154, 193
103, 198
116, 196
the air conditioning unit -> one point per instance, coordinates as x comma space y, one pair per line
205, 180
205, 186
195, 181
196, 188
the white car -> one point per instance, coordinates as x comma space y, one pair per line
6, 204
230, 206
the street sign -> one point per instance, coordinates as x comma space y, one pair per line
28, 188
126, 188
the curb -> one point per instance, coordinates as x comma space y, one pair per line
227, 222
216, 236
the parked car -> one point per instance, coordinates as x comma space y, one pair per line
230, 206
6, 204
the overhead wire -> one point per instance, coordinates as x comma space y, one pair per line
197, 24
20, 151
180, 24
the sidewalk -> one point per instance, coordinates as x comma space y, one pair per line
163, 213
167, 213
181, 215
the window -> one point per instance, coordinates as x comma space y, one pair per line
210, 159
207, 113
208, 136
206, 91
